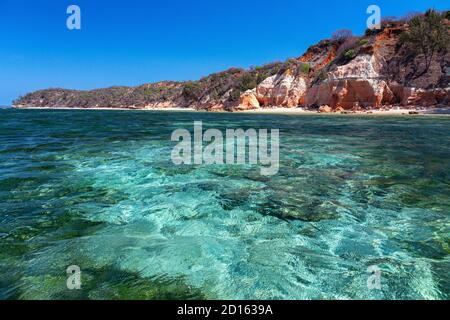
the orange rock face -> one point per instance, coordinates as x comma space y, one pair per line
282, 91
345, 93
358, 82
321, 55
425, 98
369, 79
248, 101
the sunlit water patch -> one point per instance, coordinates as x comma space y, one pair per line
97, 189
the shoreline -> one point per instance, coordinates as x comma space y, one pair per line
278, 111
299, 111
111, 109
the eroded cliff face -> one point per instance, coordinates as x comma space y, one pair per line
377, 71
357, 83
372, 71
289, 87
283, 90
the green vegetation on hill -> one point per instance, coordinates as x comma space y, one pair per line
227, 86
427, 35
221, 88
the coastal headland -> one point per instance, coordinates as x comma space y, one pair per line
379, 72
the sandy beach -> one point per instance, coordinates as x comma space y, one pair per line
300, 111
288, 111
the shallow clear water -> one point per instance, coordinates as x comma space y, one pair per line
97, 189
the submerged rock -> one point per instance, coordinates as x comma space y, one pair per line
305, 209
231, 199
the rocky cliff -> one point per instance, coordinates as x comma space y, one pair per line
372, 71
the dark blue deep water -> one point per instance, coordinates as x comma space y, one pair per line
97, 189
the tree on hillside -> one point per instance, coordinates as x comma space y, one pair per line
446, 15
342, 35
427, 36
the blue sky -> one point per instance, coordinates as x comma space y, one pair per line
133, 42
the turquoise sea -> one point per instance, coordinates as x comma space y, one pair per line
97, 189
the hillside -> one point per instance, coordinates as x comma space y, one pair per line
378, 69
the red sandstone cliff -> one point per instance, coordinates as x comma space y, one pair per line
376, 71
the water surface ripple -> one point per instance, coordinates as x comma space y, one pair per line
97, 189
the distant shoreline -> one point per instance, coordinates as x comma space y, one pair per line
110, 109
279, 111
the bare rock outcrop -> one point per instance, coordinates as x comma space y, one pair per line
360, 73
283, 90
425, 98
248, 101
325, 109
356, 82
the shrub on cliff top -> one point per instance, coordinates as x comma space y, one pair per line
350, 54
427, 36
446, 15
349, 43
342, 35
363, 42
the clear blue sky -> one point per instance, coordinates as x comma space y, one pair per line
138, 41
